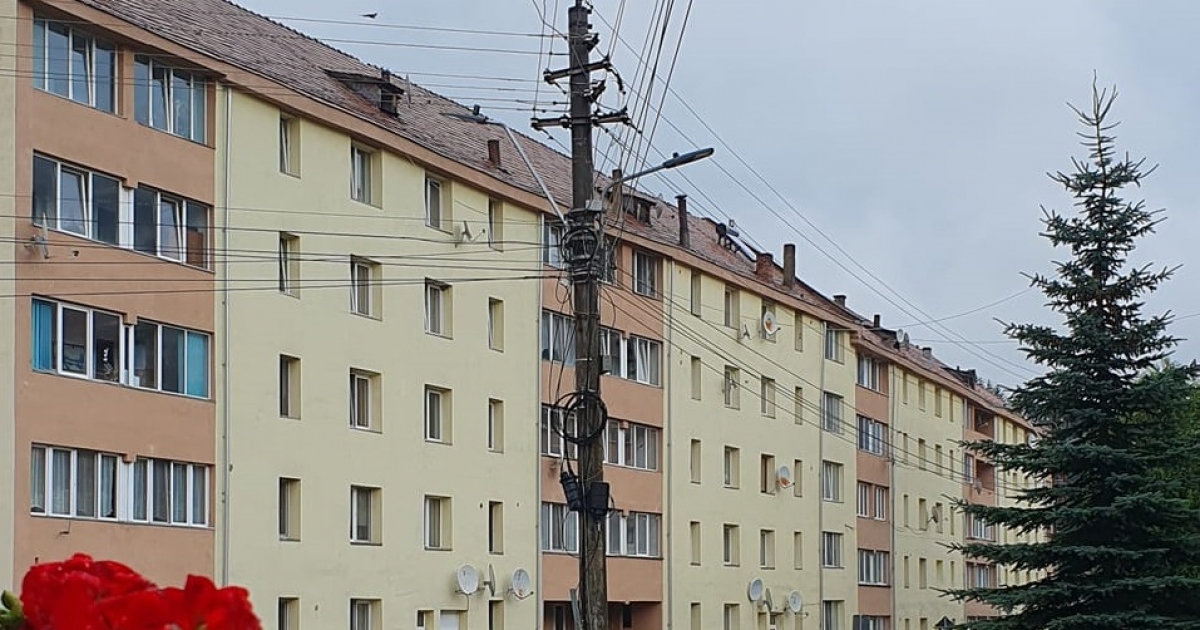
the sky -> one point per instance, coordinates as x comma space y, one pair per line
903, 146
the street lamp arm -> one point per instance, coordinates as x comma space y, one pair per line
674, 161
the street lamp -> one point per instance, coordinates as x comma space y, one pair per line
476, 117
675, 161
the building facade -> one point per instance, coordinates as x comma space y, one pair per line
304, 323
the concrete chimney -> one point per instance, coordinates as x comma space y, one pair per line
763, 265
875, 322
927, 351
840, 300
789, 265
684, 237
493, 147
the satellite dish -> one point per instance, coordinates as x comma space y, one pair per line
769, 325
490, 583
784, 476
768, 601
468, 579
795, 602
520, 587
755, 590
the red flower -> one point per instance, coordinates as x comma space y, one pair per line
73, 594
200, 605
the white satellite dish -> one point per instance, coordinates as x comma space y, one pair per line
520, 586
490, 583
784, 477
755, 590
769, 325
468, 579
795, 602
768, 601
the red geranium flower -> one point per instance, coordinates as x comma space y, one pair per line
200, 605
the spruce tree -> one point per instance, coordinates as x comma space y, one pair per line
1116, 533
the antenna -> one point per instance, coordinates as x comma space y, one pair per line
520, 586
468, 580
784, 477
755, 590
769, 602
490, 583
769, 325
795, 602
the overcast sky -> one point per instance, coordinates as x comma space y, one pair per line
917, 135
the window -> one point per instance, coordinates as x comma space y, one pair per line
170, 227
289, 387
73, 482
361, 181
558, 338
873, 567
495, 427
731, 619
766, 474
364, 515
766, 549
555, 422
170, 359
495, 527
980, 529
560, 528
437, 415
697, 377
767, 396
364, 399
697, 281
980, 575
798, 402
835, 343
872, 436
731, 387
437, 523
75, 200
552, 235
922, 573
732, 314
436, 208
863, 503
437, 308
831, 481
645, 274
77, 341
868, 373
695, 616
495, 225
831, 550
496, 615
634, 534
644, 360
169, 99
731, 552
880, 512
170, 492
797, 550
831, 412
495, 324
288, 613
797, 478
289, 145
289, 264
872, 622
798, 324
732, 465
632, 445
289, 509
74, 65
364, 287
612, 353
832, 612
695, 461
364, 614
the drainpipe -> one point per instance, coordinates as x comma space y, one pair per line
537, 460
894, 406
820, 499
225, 406
668, 435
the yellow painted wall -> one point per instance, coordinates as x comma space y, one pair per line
324, 569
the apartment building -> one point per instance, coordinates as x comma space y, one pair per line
109, 400
293, 318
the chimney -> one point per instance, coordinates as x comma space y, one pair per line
789, 265
927, 351
840, 300
763, 264
494, 153
875, 322
684, 238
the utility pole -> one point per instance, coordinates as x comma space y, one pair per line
584, 252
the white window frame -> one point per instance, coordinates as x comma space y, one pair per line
832, 406
863, 503
557, 338
873, 567
832, 480
495, 425
44, 75
361, 164
47, 489
362, 281
831, 550
553, 444
872, 436
731, 545
880, 505
436, 523
197, 111
634, 534
552, 237
435, 198
193, 517
645, 274
437, 412
644, 361
631, 445
362, 613
868, 372
560, 528
158, 340
835, 349
437, 304
361, 418
87, 201
357, 519
612, 352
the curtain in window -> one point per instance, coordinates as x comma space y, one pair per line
197, 365
139, 490
162, 490
60, 474
173, 359
108, 486
199, 495
73, 215
145, 221
643, 362
37, 480
42, 335
179, 494
45, 192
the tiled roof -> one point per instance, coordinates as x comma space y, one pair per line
260, 46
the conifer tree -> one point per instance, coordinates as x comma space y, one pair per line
1115, 534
